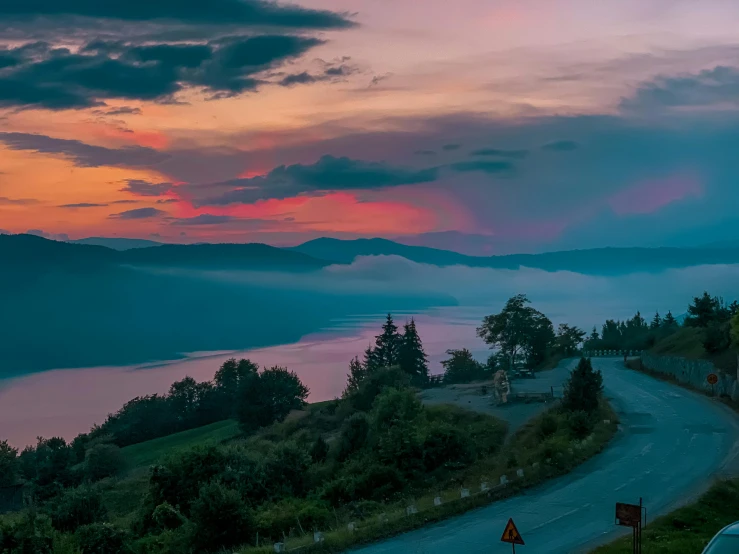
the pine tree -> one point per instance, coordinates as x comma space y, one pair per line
388, 343
357, 373
371, 361
656, 321
594, 335
669, 320
411, 356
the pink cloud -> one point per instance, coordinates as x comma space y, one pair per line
650, 196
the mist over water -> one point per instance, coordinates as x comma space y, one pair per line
338, 311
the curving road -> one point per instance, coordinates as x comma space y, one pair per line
672, 443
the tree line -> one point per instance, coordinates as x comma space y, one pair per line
709, 313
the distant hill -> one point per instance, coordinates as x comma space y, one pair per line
117, 243
605, 261
37, 254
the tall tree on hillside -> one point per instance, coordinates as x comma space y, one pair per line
656, 321
517, 329
229, 376
541, 340
703, 310
9, 464
461, 367
387, 344
669, 321
411, 356
583, 389
357, 373
371, 361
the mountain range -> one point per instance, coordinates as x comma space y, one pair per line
85, 254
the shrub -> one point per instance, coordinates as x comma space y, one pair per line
285, 470
319, 450
103, 460
445, 445
548, 425
102, 538
32, 534
77, 507
167, 517
220, 519
353, 435
274, 520
580, 424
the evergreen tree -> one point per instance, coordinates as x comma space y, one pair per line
357, 373
387, 344
656, 321
372, 361
594, 334
411, 356
669, 321
583, 388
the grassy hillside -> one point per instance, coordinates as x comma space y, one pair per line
687, 342
150, 452
688, 529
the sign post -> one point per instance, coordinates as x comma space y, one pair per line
712, 379
630, 515
511, 535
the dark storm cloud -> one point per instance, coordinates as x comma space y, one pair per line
515, 154
56, 78
242, 13
138, 213
203, 219
327, 174
561, 146
486, 167
84, 155
123, 110
140, 187
709, 87
82, 205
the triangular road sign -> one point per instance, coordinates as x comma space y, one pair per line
511, 534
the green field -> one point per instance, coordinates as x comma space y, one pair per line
687, 530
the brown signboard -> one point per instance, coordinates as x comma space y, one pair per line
628, 515
712, 378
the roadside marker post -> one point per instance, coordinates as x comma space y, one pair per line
511, 535
712, 379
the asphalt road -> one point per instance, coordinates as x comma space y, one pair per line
671, 445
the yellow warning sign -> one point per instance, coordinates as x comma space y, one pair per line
511, 534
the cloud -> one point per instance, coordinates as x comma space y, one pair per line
124, 202
425, 153
561, 146
450, 147
327, 174
226, 13
203, 219
330, 72
712, 87
138, 213
57, 78
515, 154
168, 200
123, 110
486, 167
82, 205
84, 155
5, 201
140, 187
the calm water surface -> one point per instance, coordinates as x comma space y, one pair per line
67, 402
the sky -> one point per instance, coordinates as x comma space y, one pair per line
486, 126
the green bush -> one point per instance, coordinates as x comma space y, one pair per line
318, 451
448, 446
583, 389
167, 517
580, 424
32, 534
102, 538
275, 519
221, 519
77, 507
548, 425
103, 460
353, 435
285, 471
